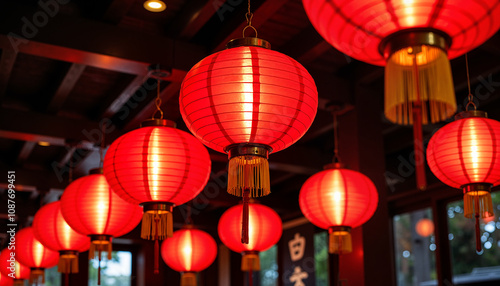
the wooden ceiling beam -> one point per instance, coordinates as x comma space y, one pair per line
67, 84
25, 152
117, 10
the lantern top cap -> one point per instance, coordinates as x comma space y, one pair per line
159, 123
248, 41
252, 149
96, 171
471, 113
336, 165
414, 37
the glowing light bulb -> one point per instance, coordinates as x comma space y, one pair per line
155, 5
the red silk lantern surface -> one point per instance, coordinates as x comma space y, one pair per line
21, 272
6, 280
52, 230
338, 199
358, 27
188, 251
248, 95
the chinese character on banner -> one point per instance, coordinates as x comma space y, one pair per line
297, 246
297, 276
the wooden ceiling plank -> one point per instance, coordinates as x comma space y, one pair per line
117, 10
67, 84
25, 152
127, 93
261, 15
6, 65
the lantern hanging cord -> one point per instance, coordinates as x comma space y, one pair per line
249, 16
101, 150
158, 101
189, 220
470, 97
336, 157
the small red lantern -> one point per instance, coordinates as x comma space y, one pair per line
189, 251
34, 255
424, 227
338, 199
465, 154
6, 280
265, 228
248, 101
91, 208
10, 267
52, 230
157, 166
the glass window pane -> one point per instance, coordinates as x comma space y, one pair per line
468, 265
414, 248
116, 272
269, 267
52, 277
321, 258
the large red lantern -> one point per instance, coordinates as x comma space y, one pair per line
465, 154
159, 167
248, 101
265, 228
10, 267
189, 251
32, 253
52, 230
90, 207
414, 40
338, 199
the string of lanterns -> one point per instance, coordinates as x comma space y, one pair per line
248, 101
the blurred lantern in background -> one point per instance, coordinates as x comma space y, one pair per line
53, 232
91, 208
188, 251
6, 280
424, 227
265, 229
32, 253
414, 40
465, 154
10, 266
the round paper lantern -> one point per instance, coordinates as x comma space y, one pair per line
248, 101
159, 167
424, 227
414, 39
10, 267
30, 252
6, 280
189, 251
91, 208
265, 228
52, 230
338, 199
465, 154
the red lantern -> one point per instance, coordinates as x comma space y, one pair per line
424, 227
34, 255
248, 101
338, 199
265, 228
91, 208
6, 280
53, 232
10, 267
189, 251
157, 166
465, 154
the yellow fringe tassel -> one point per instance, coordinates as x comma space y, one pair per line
18, 282
478, 202
68, 263
250, 262
437, 93
157, 222
188, 279
100, 246
340, 242
35, 276
248, 172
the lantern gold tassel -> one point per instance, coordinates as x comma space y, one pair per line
36, 274
435, 85
188, 279
68, 262
477, 204
157, 224
18, 282
248, 173
100, 246
250, 261
340, 240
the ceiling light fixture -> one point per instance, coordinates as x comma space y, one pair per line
155, 6
43, 143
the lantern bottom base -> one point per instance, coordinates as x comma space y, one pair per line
36, 274
188, 279
250, 262
68, 262
340, 240
477, 201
